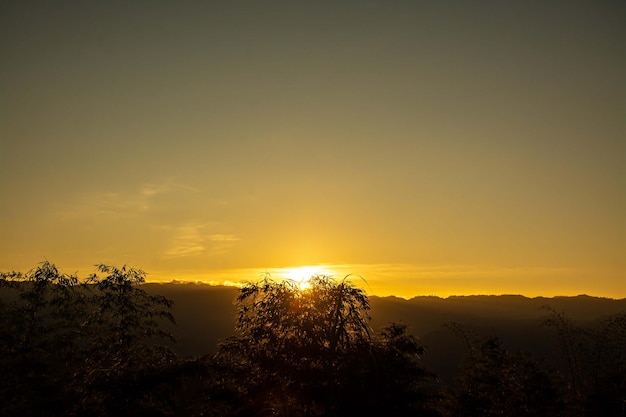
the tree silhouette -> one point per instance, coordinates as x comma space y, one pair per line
103, 346
389, 379
296, 342
125, 355
607, 396
40, 335
82, 348
312, 352
595, 362
497, 382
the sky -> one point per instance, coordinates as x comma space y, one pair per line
427, 147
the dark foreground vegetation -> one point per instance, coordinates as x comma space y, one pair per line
103, 346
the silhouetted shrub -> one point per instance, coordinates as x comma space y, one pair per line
497, 382
81, 348
595, 360
311, 352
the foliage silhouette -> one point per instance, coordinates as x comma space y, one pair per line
297, 342
312, 352
79, 348
595, 361
497, 382
103, 346
123, 357
40, 334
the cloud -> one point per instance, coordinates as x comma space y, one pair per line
116, 205
151, 189
223, 238
104, 205
196, 239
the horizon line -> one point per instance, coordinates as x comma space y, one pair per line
443, 297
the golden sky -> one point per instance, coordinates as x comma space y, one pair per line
444, 147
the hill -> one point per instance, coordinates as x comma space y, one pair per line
205, 314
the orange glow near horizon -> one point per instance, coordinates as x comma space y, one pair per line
407, 281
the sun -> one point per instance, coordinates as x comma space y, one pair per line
302, 274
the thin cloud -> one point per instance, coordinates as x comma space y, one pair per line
151, 189
196, 239
120, 204
105, 205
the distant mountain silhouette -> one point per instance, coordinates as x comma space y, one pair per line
205, 314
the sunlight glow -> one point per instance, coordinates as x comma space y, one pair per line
302, 274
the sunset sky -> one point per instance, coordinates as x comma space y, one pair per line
432, 147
